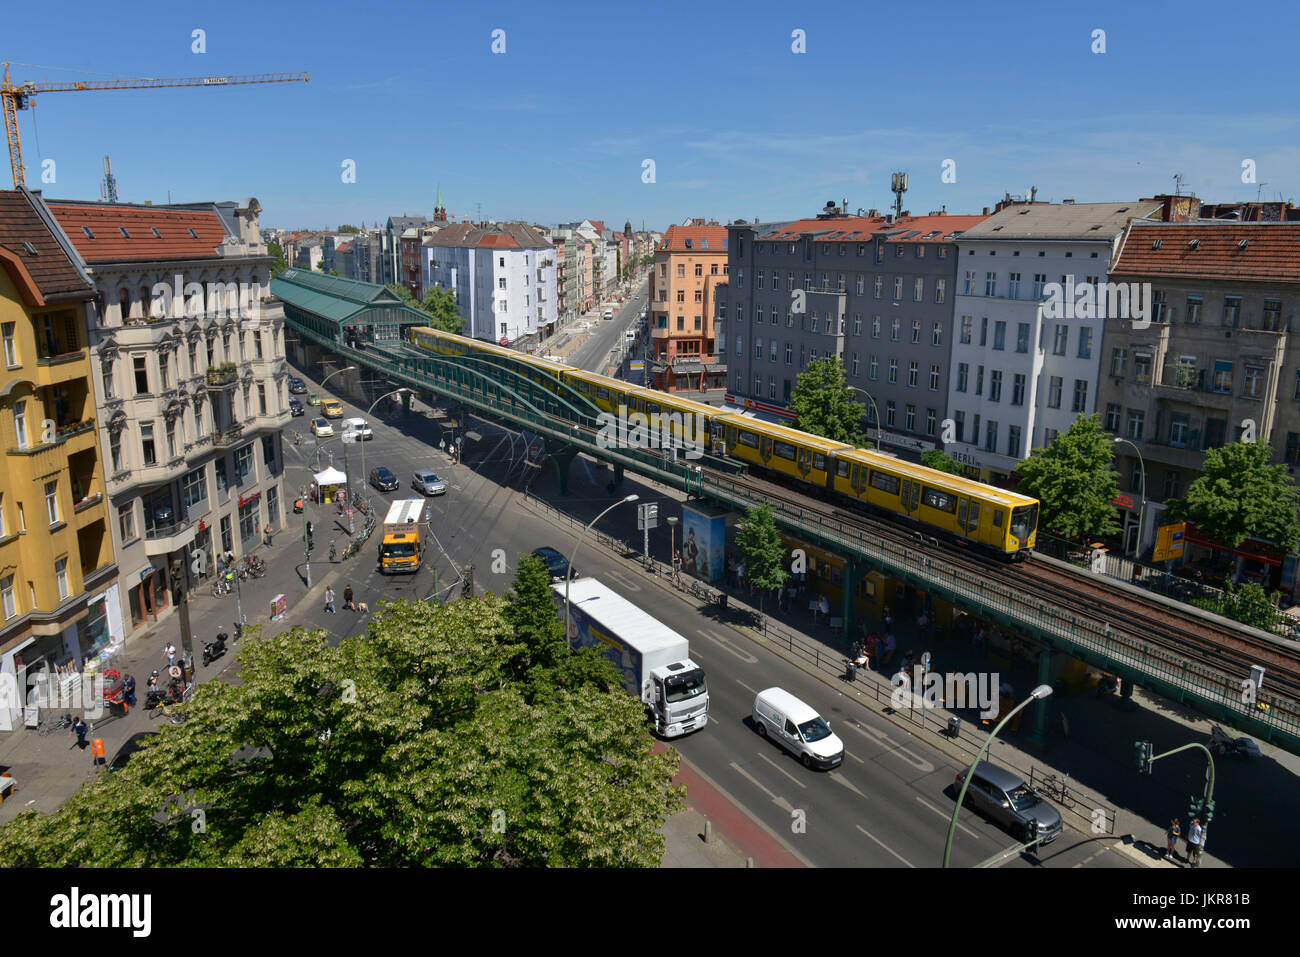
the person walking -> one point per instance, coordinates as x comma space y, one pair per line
677, 567
311, 530
80, 729
347, 598
352, 526
1195, 837
128, 691
170, 653
329, 599
824, 607
1171, 839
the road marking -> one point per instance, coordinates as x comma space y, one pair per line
624, 581
747, 687
884, 845
778, 767
1001, 857
727, 646
842, 780
780, 802
948, 817
879, 737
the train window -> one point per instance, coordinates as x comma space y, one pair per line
749, 438
602, 393
974, 520
884, 481
997, 519
819, 462
940, 500
784, 449
842, 469
651, 408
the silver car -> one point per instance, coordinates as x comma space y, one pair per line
1005, 797
428, 483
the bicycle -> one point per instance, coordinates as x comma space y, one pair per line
54, 723
1058, 790
333, 553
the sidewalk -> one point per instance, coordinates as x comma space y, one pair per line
1096, 759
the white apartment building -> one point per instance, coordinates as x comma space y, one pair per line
503, 275
1026, 348
187, 353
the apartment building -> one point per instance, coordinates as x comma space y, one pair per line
1216, 364
690, 264
58, 579
876, 293
503, 275
187, 352
1026, 344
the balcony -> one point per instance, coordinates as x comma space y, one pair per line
165, 539
61, 358
61, 434
227, 438
223, 377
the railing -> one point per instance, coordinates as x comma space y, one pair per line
167, 531
222, 375
61, 434
226, 437
87, 502
61, 358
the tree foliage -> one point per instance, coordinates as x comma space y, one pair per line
823, 403
937, 459
348, 228
1247, 603
440, 304
277, 254
1239, 496
1074, 481
762, 550
413, 744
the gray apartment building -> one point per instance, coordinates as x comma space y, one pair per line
876, 293
1216, 364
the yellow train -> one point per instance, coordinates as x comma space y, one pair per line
956, 506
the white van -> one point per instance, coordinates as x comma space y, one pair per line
609, 313
357, 430
799, 729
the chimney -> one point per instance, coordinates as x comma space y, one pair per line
1033, 193
986, 210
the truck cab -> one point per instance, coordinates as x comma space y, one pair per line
678, 691
401, 547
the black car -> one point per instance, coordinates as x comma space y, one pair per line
383, 479
132, 745
297, 386
296, 408
556, 563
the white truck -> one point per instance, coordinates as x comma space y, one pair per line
653, 659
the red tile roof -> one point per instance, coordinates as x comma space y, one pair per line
49, 270
497, 241
675, 239
106, 221
597, 224
862, 228
1271, 252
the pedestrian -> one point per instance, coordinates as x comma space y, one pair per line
80, 729
1195, 836
170, 653
1171, 839
824, 607
677, 566
347, 598
352, 526
329, 599
740, 572
891, 645
310, 531
266, 537
128, 691
889, 619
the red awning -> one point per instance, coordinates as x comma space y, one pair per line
1251, 548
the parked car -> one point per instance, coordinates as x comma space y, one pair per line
556, 563
609, 313
129, 747
359, 429
321, 428
296, 386
799, 729
428, 483
331, 408
1006, 798
382, 479
296, 408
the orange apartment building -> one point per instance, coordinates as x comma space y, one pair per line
689, 264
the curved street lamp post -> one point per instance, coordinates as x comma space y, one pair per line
568, 572
1142, 510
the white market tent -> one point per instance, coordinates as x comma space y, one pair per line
331, 476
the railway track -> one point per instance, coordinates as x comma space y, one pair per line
1180, 634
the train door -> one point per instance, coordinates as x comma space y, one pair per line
962, 505
859, 479
909, 495
805, 461
718, 433
973, 519
764, 447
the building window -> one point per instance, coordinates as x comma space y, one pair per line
936, 334
959, 420
7, 597
909, 421
875, 327
1062, 338
898, 288
979, 380
889, 413
857, 324
20, 423
788, 353
1193, 310
1018, 390
1080, 395
1158, 306
934, 377
1178, 427
1293, 448
855, 365
894, 328
1085, 343
1142, 369
1136, 418
911, 375
1112, 417
995, 386
940, 289
1254, 376
963, 373
1013, 285
1117, 359
968, 288
11, 347
52, 501
999, 336
1013, 441
1040, 280
984, 332
61, 576
1054, 392
861, 284
990, 288
931, 418
893, 371
758, 348
1271, 320
991, 437
873, 369
916, 330
967, 328
1231, 311
1022, 337
918, 289
141, 375
1223, 377
146, 443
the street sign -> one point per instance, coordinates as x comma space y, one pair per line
647, 516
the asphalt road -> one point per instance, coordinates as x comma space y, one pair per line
888, 805
605, 335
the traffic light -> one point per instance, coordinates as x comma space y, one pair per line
1209, 811
1142, 756
1027, 832
1194, 806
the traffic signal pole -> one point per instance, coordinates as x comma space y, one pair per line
1202, 807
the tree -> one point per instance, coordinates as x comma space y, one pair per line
402, 293
1239, 496
348, 228
440, 304
410, 745
936, 459
1247, 603
762, 551
1073, 481
823, 403
277, 254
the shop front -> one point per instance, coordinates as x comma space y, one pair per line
148, 597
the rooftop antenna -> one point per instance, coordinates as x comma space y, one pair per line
1259, 193
898, 186
1178, 184
108, 188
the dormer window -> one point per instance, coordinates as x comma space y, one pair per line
125, 234
156, 234
1243, 244
1193, 244
193, 234
1156, 244
86, 230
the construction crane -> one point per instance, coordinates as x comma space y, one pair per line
18, 96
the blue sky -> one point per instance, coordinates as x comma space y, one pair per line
559, 125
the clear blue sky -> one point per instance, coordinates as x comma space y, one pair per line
738, 126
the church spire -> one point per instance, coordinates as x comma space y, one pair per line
439, 211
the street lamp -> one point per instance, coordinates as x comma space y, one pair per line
363, 445
568, 572
1137, 541
875, 411
672, 539
1042, 691
306, 543
345, 448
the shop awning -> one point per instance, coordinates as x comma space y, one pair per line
331, 476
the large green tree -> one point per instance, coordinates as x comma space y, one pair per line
1074, 481
939, 460
440, 304
823, 403
348, 228
277, 254
1239, 495
410, 745
762, 551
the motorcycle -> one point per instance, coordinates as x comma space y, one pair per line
174, 693
1224, 745
212, 650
